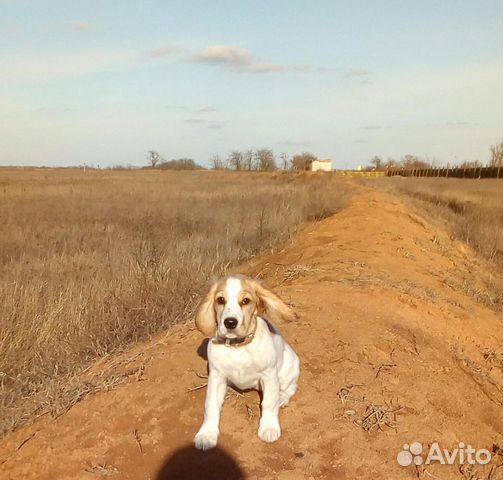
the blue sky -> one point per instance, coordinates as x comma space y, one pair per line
101, 82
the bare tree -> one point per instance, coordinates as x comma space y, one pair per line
303, 161
266, 160
180, 164
377, 163
248, 160
496, 155
236, 160
390, 163
217, 163
412, 161
255, 160
153, 158
471, 164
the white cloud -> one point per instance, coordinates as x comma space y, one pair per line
359, 73
207, 110
274, 68
81, 26
241, 60
232, 55
164, 52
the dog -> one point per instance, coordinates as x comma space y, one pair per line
245, 351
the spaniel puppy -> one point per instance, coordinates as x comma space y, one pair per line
246, 351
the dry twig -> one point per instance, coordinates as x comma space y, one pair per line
377, 416
382, 366
197, 387
101, 469
345, 392
137, 437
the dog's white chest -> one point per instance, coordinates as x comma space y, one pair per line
242, 379
237, 364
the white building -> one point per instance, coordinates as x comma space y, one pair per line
321, 165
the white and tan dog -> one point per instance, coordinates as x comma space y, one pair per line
246, 351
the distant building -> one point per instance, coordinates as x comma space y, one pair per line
321, 165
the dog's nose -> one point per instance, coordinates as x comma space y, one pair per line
231, 323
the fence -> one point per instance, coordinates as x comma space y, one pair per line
456, 172
360, 173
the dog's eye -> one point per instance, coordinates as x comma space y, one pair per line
245, 301
221, 300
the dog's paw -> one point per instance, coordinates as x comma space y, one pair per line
269, 434
206, 440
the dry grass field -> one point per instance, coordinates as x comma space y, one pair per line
94, 260
473, 208
473, 211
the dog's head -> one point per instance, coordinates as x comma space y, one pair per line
230, 308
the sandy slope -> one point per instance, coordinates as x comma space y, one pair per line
382, 314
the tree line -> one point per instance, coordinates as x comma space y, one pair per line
265, 160
413, 161
262, 160
259, 160
155, 160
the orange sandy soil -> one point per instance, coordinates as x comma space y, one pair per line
384, 320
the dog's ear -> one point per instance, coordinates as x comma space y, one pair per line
206, 318
271, 306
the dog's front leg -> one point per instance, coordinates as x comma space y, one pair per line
269, 429
207, 436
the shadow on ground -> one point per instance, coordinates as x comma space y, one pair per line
192, 464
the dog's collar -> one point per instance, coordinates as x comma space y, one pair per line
236, 342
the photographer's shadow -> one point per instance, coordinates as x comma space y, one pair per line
188, 463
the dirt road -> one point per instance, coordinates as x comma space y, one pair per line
394, 350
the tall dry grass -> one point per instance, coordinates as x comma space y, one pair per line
473, 211
92, 261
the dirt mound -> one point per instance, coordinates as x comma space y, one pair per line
394, 348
